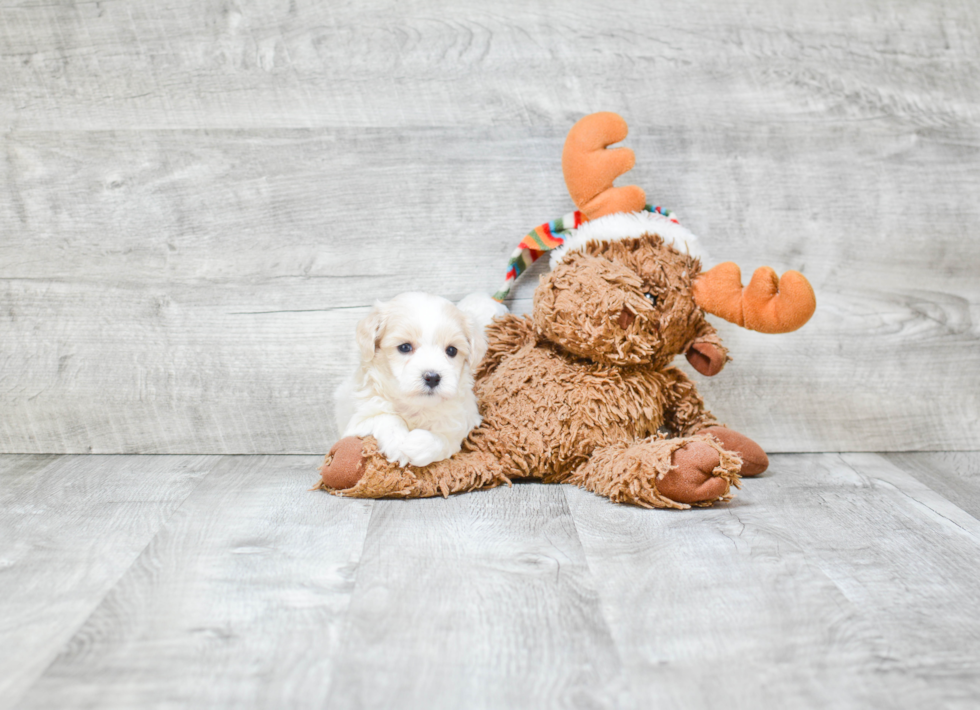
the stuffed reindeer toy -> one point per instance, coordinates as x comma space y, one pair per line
582, 390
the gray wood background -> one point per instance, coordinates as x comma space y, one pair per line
201, 198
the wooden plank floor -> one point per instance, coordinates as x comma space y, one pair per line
836, 580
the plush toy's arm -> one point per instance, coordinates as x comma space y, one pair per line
685, 413
357, 468
505, 336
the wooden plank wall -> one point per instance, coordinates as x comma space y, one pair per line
201, 198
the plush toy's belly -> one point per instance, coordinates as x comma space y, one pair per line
547, 412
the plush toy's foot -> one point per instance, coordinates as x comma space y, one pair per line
754, 459
343, 467
690, 478
662, 473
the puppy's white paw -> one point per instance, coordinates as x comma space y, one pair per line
392, 448
389, 431
421, 447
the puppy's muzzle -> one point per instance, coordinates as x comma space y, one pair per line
431, 379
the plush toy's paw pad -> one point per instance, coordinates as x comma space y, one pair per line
706, 357
344, 465
690, 478
754, 459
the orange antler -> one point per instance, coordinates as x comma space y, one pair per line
768, 304
590, 168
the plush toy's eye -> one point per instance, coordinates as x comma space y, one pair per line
650, 297
451, 351
405, 348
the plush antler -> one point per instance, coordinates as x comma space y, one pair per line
590, 169
768, 304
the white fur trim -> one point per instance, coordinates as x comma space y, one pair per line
626, 225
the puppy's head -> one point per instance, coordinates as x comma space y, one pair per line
419, 349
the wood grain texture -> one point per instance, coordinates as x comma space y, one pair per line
236, 602
828, 582
204, 198
188, 64
953, 475
70, 528
207, 323
479, 601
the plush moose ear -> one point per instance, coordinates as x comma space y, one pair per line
369, 331
706, 357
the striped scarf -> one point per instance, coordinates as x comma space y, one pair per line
544, 238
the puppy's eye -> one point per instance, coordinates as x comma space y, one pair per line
451, 351
650, 297
405, 348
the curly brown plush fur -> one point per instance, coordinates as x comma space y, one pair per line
582, 392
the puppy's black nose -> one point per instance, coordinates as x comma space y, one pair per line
431, 379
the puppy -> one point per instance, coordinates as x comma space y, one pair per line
413, 390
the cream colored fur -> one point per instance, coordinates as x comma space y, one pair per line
388, 397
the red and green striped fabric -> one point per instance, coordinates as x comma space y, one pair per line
539, 240
544, 238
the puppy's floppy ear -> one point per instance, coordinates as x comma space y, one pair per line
479, 309
369, 331
477, 338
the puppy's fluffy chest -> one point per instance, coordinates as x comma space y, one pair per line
453, 418
450, 416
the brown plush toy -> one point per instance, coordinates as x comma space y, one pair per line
582, 391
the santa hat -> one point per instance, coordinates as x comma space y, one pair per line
572, 232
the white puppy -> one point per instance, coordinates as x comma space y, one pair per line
413, 390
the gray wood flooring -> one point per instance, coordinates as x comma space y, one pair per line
844, 581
